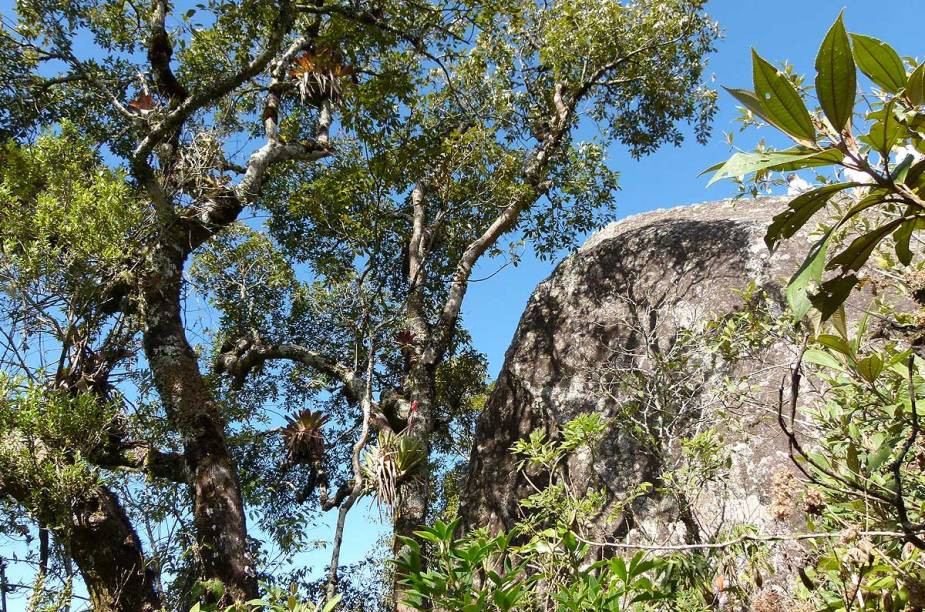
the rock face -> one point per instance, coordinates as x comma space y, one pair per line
639, 281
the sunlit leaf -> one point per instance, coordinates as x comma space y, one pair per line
915, 87
879, 61
858, 252
742, 164
781, 102
799, 211
808, 276
836, 80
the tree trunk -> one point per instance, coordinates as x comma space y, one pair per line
101, 540
411, 509
109, 555
218, 510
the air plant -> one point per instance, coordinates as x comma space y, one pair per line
320, 74
303, 436
386, 464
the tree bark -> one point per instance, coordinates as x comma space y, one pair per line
218, 509
411, 509
109, 555
101, 540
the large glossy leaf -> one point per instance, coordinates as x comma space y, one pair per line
781, 102
874, 198
832, 294
808, 276
799, 211
826, 157
915, 87
870, 367
879, 61
836, 79
858, 252
742, 164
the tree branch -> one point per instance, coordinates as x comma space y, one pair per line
532, 177
175, 118
248, 354
159, 53
139, 457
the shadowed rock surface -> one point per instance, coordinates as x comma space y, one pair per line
659, 271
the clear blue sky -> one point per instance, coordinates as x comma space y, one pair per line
780, 30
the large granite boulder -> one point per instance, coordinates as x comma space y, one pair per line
664, 271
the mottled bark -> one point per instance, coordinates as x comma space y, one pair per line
99, 537
109, 555
410, 512
218, 509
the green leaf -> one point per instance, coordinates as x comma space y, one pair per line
749, 100
742, 164
915, 87
840, 323
821, 158
822, 358
870, 367
781, 102
879, 61
873, 198
902, 236
901, 170
858, 252
832, 294
876, 459
837, 343
836, 79
851, 458
885, 130
914, 176
799, 211
809, 274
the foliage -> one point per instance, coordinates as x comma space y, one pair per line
514, 570
866, 470
386, 464
880, 152
276, 600
547, 561
304, 437
35, 424
217, 214
859, 444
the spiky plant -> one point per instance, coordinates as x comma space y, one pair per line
303, 436
320, 74
386, 464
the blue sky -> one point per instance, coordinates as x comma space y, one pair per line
780, 30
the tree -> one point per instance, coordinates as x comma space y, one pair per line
393, 145
485, 161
